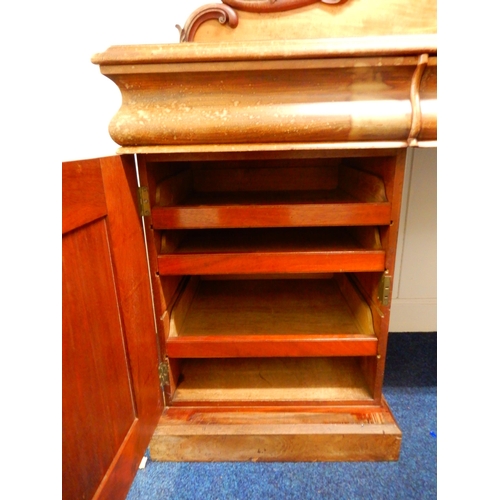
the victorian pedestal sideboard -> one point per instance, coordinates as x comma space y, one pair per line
270, 183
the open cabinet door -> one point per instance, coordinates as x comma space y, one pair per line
111, 392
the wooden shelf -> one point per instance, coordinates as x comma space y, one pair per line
266, 318
271, 193
280, 250
270, 209
276, 380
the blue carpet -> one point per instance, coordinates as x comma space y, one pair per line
411, 391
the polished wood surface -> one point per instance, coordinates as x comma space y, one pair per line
208, 346
269, 210
111, 395
278, 250
83, 199
96, 416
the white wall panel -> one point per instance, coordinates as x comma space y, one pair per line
414, 306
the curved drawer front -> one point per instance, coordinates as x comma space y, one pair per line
328, 97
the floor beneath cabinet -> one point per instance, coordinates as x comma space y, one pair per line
411, 391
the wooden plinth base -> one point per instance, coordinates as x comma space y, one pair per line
229, 434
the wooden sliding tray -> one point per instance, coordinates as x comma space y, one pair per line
284, 317
277, 250
268, 209
285, 193
275, 381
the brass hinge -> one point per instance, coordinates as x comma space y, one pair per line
144, 206
163, 370
384, 290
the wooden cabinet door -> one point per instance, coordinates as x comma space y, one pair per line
111, 392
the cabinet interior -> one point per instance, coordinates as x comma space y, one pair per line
267, 273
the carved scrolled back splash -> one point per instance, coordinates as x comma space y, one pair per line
275, 5
337, 90
223, 13
226, 14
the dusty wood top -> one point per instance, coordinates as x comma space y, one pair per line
394, 45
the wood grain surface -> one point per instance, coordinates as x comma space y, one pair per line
272, 380
286, 434
237, 251
266, 318
276, 93
349, 18
111, 395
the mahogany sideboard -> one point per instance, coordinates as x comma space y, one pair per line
227, 276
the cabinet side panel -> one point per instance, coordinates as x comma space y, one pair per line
391, 170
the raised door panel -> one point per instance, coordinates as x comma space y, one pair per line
111, 394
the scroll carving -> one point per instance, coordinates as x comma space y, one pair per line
224, 13
274, 5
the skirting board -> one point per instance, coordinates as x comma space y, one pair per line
413, 315
229, 434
